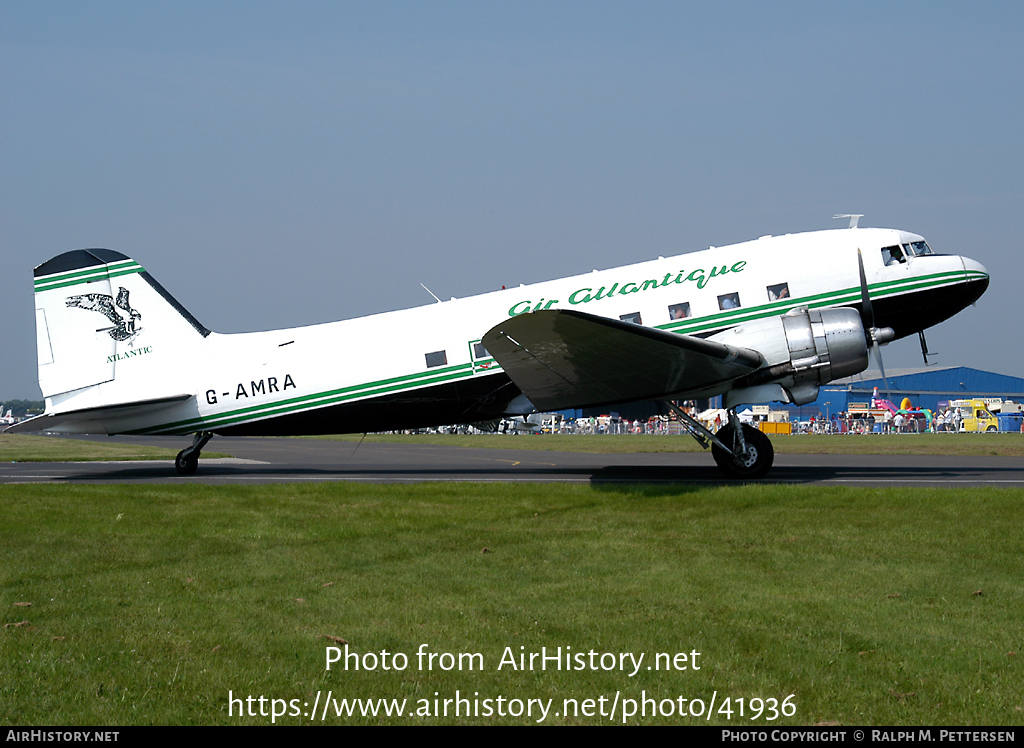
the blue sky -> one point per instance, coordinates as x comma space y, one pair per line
278, 164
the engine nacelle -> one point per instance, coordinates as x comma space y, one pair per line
803, 350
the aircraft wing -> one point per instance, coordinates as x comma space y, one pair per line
97, 417
561, 358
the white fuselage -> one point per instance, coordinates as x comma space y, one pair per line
244, 378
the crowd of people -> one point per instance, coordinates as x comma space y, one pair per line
949, 420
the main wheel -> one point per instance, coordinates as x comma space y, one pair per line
186, 464
754, 463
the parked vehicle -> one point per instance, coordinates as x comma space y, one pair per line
976, 415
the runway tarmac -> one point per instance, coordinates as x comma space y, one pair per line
266, 460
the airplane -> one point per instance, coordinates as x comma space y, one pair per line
768, 320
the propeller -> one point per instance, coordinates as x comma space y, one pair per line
874, 336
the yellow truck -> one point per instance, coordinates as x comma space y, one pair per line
976, 415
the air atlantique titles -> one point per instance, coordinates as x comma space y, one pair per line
584, 295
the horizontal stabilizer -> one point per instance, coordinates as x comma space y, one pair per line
96, 420
561, 358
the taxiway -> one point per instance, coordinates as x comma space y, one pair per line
274, 460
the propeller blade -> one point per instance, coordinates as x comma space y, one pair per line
871, 333
867, 312
881, 368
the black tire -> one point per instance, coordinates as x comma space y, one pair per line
755, 464
186, 464
991, 428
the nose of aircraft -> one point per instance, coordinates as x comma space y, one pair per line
974, 268
976, 276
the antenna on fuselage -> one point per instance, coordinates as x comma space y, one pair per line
430, 292
854, 218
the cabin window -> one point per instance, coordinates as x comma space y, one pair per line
776, 293
679, 311
479, 351
633, 317
893, 255
917, 249
437, 358
729, 301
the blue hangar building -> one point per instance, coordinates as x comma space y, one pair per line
926, 387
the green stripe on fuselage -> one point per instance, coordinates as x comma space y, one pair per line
709, 324
883, 289
317, 400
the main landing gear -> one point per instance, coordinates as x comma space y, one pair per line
752, 452
187, 461
740, 451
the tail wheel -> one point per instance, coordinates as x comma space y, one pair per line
752, 464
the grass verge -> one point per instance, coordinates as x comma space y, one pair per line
149, 604
26, 448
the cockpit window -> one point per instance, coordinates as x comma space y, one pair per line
918, 249
893, 255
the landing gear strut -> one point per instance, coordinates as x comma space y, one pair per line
739, 451
187, 461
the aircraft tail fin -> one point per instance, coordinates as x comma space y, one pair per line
99, 317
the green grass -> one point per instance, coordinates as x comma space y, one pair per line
26, 448
1007, 445
150, 603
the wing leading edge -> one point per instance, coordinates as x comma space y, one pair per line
561, 358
